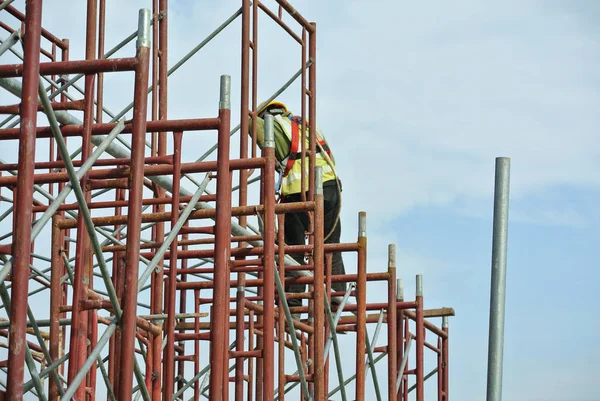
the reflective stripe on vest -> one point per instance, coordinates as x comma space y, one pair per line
291, 182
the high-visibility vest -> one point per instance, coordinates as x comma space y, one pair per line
291, 176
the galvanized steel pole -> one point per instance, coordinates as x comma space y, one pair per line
498, 288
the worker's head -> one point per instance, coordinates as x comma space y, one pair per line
273, 107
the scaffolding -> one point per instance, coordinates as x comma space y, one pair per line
132, 272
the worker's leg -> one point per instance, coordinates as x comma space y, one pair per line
331, 220
296, 224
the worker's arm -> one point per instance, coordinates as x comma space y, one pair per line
282, 143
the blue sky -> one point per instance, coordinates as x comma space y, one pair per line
417, 99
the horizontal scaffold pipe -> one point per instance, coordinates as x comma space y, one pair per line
73, 67
195, 215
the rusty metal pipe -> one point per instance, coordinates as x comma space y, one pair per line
71, 67
75, 127
269, 260
23, 214
169, 368
361, 287
392, 323
219, 318
128, 325
319, 283
420, 339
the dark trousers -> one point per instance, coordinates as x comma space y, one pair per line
296, 224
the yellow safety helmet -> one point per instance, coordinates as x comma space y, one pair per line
264, 106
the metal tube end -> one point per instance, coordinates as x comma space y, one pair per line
319, 180
419, 285
444, 322
362, 224
144, 19
391, 256
399, 289
225, 98
269, 131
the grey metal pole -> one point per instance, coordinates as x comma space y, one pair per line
498, 287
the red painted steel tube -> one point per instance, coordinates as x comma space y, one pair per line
196, 345
51, 141
22, 212
159, 68
269, 271
244, 114
73, 67
123, 203
79, 163
312, 105
281, 320
88, 121
117, 279
302, 280
211, 213
100, 83
251, 333
420, 342
220, 328
199, 124
134, 211
326, 369
70, 105
83, 254
169, 368
255, 13
239, 338
319, 295
182, 294
404, 389
155, 67
361, 299
445, 375
439, 371
392, 310
196, 167
55, 303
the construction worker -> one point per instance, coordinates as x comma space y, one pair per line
287, 134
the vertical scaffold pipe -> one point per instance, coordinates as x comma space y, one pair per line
160, 7
498, 285
361, 297
391, 322
399, 339
244, 123
56, 294
239, 337
90, 324
420, 339
269, 262
23, 208
169, 362
134, 208
445, 359
219, 319
319, 283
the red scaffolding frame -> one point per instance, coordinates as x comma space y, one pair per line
96, 327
